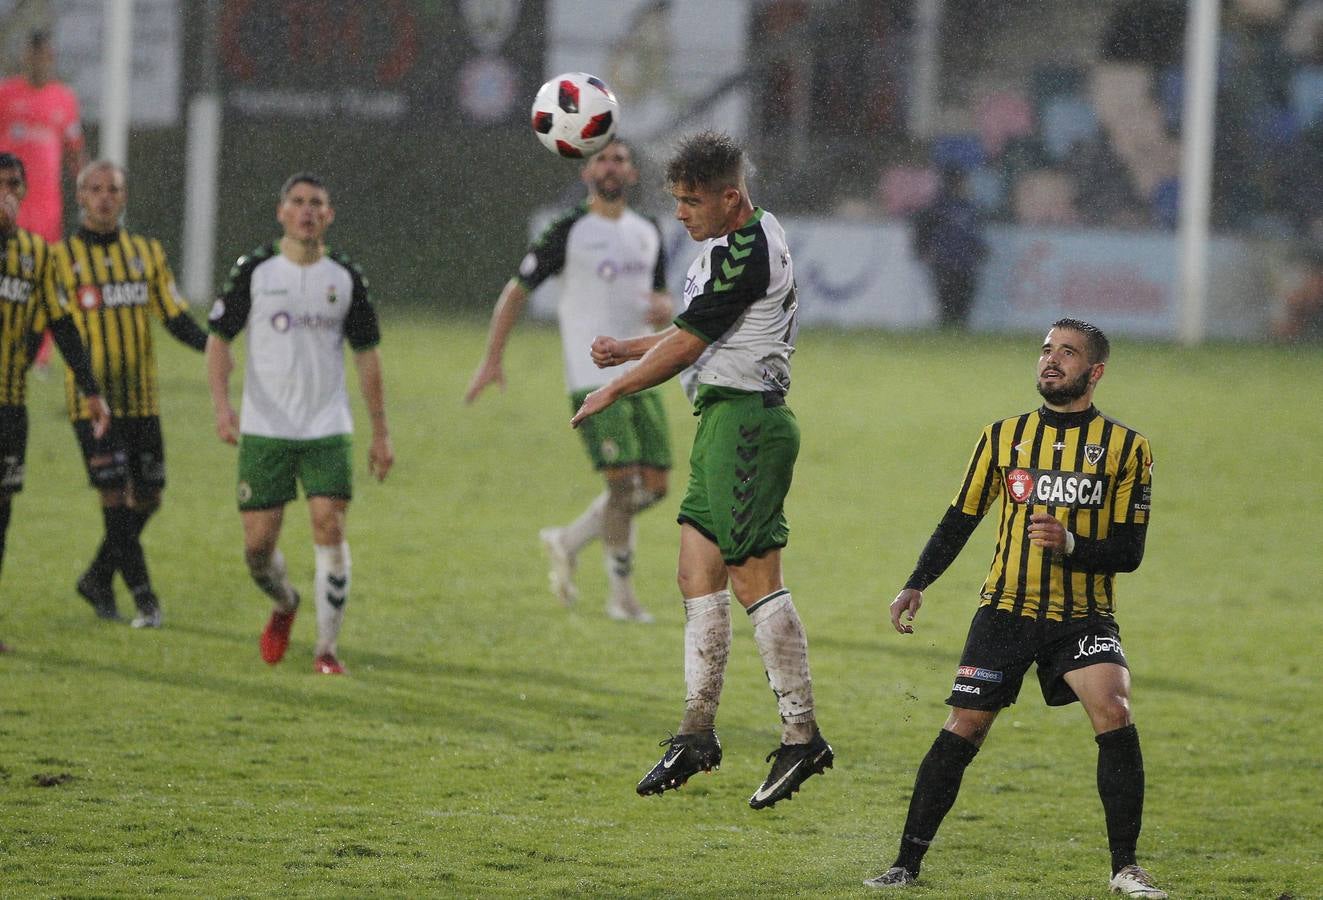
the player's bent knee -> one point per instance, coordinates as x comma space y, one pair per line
259, 562
1113, 714
971, 724
147, 504
644, 498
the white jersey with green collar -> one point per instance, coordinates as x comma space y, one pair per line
298, 319
740, 300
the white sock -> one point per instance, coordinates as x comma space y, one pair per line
577, 534
330, 586
779, 634
706, 648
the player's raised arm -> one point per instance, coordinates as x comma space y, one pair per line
508, 309
668, 357
608, 351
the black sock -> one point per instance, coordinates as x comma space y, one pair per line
5, 508
935, 790
133, 564
106, 560
1121, 787
138, 519
119, 537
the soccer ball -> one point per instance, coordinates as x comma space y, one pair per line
574, 115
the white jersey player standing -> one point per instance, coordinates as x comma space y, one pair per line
300, 304
611, 265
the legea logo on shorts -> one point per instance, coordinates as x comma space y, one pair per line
966, 688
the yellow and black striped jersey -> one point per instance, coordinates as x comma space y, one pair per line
112, 284
1088, 470
28, 302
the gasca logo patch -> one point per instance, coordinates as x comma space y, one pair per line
1055, 488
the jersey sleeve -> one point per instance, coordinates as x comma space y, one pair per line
166, 302
982, 484
229, 313
1134, 485
53, 304
163, 294
362, 330
740, 275
546, 255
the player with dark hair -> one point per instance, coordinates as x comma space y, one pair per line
1074, 488
735, 336
29, 303
300, 303
612, 269
114, 282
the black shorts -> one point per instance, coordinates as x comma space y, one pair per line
1002, 644
13, 447
131, 452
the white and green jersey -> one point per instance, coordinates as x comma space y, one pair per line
608, 270
740, 299
298, 318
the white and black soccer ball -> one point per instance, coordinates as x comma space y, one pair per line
575, 114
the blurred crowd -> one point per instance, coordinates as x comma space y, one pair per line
1058, 114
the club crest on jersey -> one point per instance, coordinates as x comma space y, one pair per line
1093, 453
331, 296
1019, 484
1054, 488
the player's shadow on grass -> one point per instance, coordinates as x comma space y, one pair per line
903, 646
513, 704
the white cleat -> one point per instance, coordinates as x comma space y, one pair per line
561, 574
1132, 881
627, 609
895, 877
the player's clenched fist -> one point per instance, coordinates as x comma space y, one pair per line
607, 352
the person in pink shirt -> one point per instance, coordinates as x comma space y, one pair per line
39, 124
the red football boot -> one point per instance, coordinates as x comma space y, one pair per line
327, 664
275, 637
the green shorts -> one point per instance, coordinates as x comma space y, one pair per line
630, 432
740, 471
271, 468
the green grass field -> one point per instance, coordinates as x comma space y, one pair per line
488, 741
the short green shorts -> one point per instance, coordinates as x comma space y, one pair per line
631, 431
740, 471
271, 468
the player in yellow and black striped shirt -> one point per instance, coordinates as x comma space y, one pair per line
27, 299
1074, 490
114, 283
